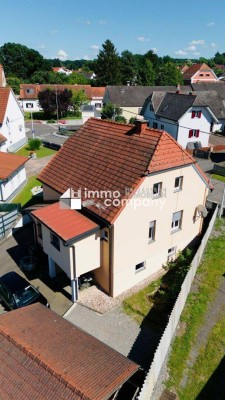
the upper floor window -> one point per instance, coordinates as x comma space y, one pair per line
157, 189
178, 183
196, 114
29, 105
151, 231
30, 91
55, 241
193, 132
176, 221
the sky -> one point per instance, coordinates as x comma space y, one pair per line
75, 29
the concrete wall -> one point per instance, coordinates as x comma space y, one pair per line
131, 244
14, 182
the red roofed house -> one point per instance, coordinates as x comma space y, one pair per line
12, 174
29, 94
12, 127
139, 193
45, 357
62, 70
199, 73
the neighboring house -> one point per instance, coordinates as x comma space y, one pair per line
29, 94
199, 73
2, 77
131, 98
138, 204
62, 70
12, 174
188, 118
12, 127
45, 357
89, 112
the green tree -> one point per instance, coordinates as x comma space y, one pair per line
146, 76
14, 83
111, 111
20, 61
76, 78
107, 66
169, 74
128, 68
78, 98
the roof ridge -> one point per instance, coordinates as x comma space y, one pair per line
43, 364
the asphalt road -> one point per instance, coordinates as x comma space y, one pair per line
45, 132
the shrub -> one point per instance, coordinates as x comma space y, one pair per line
34, 144
132, 120
51, 121
121, 119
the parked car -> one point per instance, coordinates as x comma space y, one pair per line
16, 292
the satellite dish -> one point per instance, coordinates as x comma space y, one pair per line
202, 210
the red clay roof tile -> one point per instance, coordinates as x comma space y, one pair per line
4, 97
2, 138
10, 163
56, 359
107, 156
66, 223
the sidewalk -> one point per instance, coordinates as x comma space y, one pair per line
35, 165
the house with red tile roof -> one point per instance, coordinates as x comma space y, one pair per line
29, 94
12, 174
135, 194
45, 357
199, 73
62, 70
12, 127
187, 117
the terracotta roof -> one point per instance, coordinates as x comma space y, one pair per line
37, 88
67, 224
4, 97
108, 156
97, 91
188, 74
10, 163
2, 138
43, 356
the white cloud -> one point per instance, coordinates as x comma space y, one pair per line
191, 48
86, 57
210, 24
154, 49
196, 53
180, 52
197, 42
143, 39
62, 55
53, 32
213, 45
88, 22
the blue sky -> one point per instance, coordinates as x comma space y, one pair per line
75, 29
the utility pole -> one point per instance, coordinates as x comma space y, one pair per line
222, 203
57, 106
32, 125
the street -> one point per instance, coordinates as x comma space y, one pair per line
45, 132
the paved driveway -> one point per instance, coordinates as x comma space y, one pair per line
56, 291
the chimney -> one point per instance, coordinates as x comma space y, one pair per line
140, 124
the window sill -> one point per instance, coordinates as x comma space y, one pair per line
151, 241
156, 196
177, 190
175, 230
139, 270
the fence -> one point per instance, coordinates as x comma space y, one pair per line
166, 339
51, 145
8, 215
218, 169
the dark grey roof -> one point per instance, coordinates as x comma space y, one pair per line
213, 100
174, 105
133, 96
219, 87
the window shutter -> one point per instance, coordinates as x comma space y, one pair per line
190, 133
199, 114
197, 133
193, 114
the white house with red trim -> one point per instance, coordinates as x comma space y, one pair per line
136, 192
188, 118
12, 127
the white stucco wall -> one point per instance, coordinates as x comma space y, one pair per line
131, 245
13, 127
30, 105
14, 182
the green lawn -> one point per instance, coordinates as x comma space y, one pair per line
25, 197
42, 152
218, 177
209, 276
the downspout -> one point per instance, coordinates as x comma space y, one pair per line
201, 222
74, 281
111, 260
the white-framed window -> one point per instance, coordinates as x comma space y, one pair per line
157, 189
176, 221
151, 231
55, 241
98, 105
194, 132
139, 267
29, 105
196, 114
178, 184
172, 251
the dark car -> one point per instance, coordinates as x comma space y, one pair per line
16, 292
